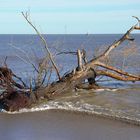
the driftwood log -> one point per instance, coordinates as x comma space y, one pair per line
16, 96
88, 71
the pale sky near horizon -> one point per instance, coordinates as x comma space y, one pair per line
68, 16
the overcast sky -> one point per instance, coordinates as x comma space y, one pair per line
68, 16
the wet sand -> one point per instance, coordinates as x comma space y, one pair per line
61, 125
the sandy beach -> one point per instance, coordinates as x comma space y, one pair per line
61, 125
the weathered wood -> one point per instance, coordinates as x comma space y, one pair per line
79, 58
118, 77
27, 18
14, 99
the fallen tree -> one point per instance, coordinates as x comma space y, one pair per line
16, 96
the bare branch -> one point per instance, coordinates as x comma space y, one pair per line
117, 43
84, 56
5, 64
25, 53
136, 19
137, 28
44, 42
116, 76
116, 70
73, 53
79, 58
20, 79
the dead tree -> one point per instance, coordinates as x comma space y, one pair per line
85, 70
89, 70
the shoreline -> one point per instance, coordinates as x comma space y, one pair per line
58, 124
77, 112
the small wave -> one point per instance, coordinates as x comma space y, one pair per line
34, 109
106, 89
120, 115
96, 110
